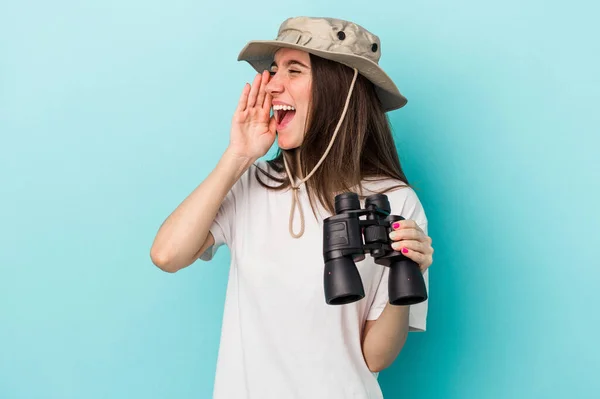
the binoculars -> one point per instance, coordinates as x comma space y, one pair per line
343, 245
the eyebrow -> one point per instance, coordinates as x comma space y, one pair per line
291, 62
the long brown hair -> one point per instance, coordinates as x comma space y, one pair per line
364, 147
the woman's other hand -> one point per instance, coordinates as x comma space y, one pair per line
407, 237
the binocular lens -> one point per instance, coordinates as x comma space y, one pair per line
346, 202
406, 284
342, 282
380, 201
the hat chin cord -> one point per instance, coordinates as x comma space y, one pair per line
296, 186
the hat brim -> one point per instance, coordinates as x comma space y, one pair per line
260, 55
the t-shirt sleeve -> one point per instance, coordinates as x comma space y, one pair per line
409, 207
221, 227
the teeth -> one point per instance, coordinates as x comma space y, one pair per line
283, 108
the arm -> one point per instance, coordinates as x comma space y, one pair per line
184, 235
384, 338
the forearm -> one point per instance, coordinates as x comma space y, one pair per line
385, 338
185, 230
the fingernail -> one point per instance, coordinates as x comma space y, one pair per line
404, 250
396, 225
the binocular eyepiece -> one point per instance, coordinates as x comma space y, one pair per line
343, 245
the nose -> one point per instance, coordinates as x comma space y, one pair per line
274, 85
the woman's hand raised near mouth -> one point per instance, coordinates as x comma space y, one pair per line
253, 128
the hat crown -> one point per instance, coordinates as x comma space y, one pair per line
331, 34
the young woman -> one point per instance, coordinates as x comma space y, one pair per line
280, 339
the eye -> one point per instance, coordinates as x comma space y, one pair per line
294, 71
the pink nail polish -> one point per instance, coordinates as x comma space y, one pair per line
404, 250
396, 225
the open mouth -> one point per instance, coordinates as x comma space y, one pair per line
283, 114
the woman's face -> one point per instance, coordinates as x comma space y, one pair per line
290, 86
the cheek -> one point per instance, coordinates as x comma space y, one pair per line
305, 107
307, 94
303, 93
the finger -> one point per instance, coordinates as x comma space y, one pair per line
243, 98
409, 244
407, 234
262, 91
273, 125
253, 92
405, 224
267, 104
423, 260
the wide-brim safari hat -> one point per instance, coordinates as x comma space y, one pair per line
334, 39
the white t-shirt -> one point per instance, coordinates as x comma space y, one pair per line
279, 338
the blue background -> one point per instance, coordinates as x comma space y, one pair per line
111, 112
